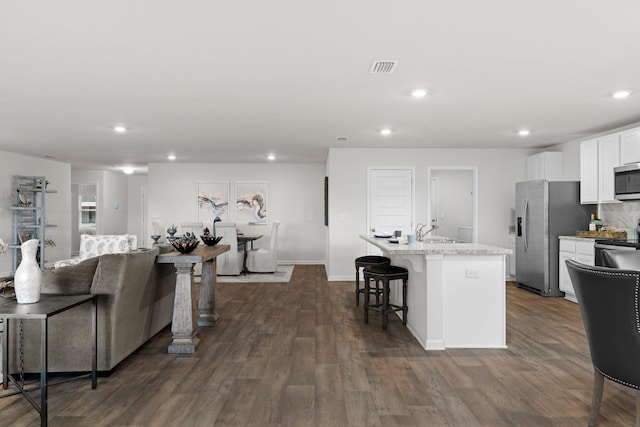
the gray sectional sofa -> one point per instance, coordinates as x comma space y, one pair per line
135, 301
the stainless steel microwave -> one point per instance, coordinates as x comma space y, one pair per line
627, 182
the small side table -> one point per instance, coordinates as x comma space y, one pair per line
48, 306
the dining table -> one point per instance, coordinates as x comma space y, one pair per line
245, 240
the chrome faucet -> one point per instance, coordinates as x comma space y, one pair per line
421, 235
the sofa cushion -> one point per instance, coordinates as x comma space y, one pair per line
70, 280
92, 246
66, 262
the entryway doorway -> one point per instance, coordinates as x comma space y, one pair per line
452, 202
390, 201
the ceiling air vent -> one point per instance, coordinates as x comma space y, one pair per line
383, 67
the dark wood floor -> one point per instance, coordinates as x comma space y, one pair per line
298, 354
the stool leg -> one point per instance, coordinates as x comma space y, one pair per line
366, 299
404, 302
357, 285
385, 303
377, 294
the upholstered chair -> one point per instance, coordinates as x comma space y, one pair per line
263, 260
228, 263
608, 300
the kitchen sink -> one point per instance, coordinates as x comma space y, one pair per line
439, 241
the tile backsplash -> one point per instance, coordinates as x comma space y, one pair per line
624, 215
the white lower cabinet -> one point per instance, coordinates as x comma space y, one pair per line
580, 250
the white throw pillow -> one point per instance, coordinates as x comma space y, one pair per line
92, 246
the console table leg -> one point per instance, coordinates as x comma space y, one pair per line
94, 343
207, 302
184, 326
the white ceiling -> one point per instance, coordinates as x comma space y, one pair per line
216, 81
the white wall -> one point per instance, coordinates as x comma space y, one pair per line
115, 206
135, 212
498, 171
58, 204
295, 197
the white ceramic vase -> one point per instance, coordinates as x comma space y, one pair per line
28, 278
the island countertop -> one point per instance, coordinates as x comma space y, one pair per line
435, 248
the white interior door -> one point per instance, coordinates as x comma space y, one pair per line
390, 201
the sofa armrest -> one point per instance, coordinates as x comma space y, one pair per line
125, 301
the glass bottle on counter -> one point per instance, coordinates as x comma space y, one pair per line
595, 224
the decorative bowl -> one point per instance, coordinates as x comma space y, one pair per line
210, 240
185, 246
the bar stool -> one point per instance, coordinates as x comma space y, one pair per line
385, 273
366, 261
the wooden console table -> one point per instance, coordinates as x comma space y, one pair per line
186, 315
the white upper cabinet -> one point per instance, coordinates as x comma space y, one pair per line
630, 146
546, 165
598, 157
608, 158
589, 180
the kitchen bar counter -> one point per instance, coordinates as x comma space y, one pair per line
436, 248
456, 292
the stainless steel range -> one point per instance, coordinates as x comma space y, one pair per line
613, 244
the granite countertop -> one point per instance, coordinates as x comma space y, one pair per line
582, 239
420, 248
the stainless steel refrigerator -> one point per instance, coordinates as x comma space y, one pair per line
544, 211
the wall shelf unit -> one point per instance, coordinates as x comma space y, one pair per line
29, 219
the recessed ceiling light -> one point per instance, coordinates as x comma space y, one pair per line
127, 171
385, 132
419, 93
621, 94
119, 129
171, 157
524, 132
271, 157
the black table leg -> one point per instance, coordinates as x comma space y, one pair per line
44, 373
94, 344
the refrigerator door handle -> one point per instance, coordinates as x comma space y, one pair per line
525, 221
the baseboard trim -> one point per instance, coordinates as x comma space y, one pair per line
310, 262
349, 278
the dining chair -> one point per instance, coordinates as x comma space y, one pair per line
262, 260
608, 301
228, 263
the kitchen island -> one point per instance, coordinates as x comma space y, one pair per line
456, 292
